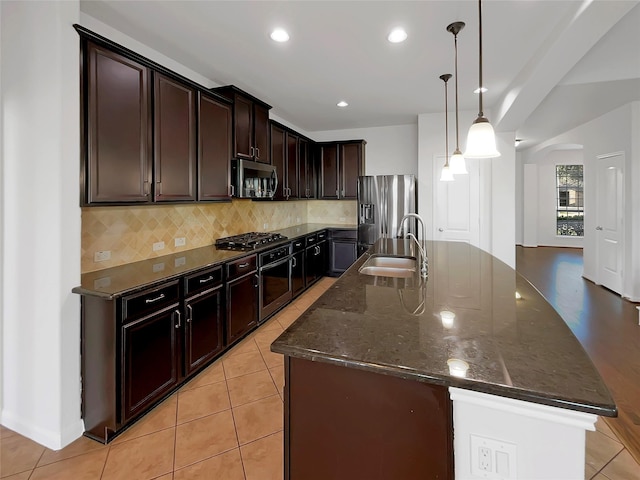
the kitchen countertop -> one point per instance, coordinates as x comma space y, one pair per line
125, 279
516, 348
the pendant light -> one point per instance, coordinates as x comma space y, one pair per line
457, 163
481, 140
446, 175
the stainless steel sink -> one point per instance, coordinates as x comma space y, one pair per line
389, 266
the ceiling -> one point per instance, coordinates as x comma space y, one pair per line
541, 58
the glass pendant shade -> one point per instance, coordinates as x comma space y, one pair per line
446, 175
457, 165
481, 140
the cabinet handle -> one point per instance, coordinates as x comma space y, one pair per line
189, 314
243, 265
598, 228
179, 319
257, 152
251, 151
146, 188
205, 280
337, 193
294, 262
151, 300
343, 193
232, 188
159, 186
256, 282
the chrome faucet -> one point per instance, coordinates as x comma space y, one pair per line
424, 268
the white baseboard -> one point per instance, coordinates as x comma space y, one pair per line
49, 438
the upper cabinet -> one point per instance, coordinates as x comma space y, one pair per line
214, 148
250, 125
148, 134
340, 165
174, 153
118, 133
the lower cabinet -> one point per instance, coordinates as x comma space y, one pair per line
315, 258
150, 359
297, 267
242, 297
343, 250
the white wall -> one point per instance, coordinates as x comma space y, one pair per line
616, 131
541, 190
497, 182
41, 221
389, 150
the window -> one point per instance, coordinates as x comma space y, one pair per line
570, 201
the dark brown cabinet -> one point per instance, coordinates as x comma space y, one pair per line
315, 258
150, 347
278, 158
306, 170
291, 168
174, 140
340, 165
118, 133
342, 250
297, 268
204, 318
250, 125
242, 297
214, 148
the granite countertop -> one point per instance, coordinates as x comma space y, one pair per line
514, 347
125, 279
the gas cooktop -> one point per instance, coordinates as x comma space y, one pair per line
247, 241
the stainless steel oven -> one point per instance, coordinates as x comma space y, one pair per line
275, 280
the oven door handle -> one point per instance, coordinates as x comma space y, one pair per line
274, 264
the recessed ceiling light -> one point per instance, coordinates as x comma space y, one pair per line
343, 104
279, 35
518, 142
397, 35
477, 90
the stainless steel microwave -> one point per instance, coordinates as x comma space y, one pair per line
253, 179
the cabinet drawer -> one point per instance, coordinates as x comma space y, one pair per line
344, 234
298, 245
311, 239
154, 299
201, 281
241, 267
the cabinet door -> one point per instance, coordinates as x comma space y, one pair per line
242, 306
329, 186
175, 140
343, 254
118, 139
261, 133
322, 259
150, 360
278, 154
243, 127
292, 165
297, 273
203, 329
214, 152
315, 262
350, 168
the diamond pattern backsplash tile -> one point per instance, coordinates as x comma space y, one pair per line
130, 232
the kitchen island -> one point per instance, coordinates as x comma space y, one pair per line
388, 376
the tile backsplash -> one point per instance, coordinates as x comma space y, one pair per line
129, 233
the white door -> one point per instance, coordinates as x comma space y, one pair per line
457, 205
610, 214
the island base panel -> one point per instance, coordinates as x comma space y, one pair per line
344, 423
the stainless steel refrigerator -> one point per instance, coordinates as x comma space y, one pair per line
382, 202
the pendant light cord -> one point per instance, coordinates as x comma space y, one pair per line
455, 40
446, 122
481, 113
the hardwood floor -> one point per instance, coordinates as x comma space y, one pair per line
605, 324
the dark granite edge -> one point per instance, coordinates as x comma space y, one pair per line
448, 381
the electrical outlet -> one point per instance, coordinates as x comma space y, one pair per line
297, 219
180, 261
180, 242
158, 246
265, 225
484, 459
102, 282
342, 219
102, 256
158, 267
492, 459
